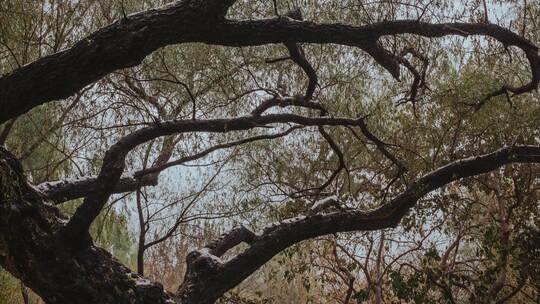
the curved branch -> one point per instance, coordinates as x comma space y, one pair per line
126, 42
159, 168
114, 160
27, 225
220, 276
70, 189
230, 239
286, 101
276, 30
341, 158
381, 145
298, 55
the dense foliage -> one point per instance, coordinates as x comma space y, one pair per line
477, 240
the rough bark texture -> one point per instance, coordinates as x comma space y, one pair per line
66, 190
30, 250
126, 42
122, 44
58, 260
208, 277
114, 160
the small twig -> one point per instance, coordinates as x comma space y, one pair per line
276, 12
275, 60
122, 8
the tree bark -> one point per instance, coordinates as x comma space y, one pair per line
30, 250
128, 41
58, 260
142, 236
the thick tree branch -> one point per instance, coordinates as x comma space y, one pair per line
230, 239
122, 44
126, 42
70, 189
33, 231
242, 33
208, 277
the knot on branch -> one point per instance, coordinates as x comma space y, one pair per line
231, 239
325, 203
295, 14
202, 261
216, 8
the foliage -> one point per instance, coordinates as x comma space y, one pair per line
456, 246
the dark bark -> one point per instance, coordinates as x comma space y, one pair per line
113, 162
122, 44
6, 130
59, 261
70, 189
66, 190
207, 277
126, 42
30, 251
142, 236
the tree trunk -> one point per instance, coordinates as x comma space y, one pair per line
32, 252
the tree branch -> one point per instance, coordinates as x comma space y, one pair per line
126, 42
159, 168
287, 101
70, 189
298, 55
28, 224
207, 278
114, 160
381, 146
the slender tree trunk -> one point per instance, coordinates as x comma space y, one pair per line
378, 282
142, 236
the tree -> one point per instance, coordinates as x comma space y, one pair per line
55, 255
